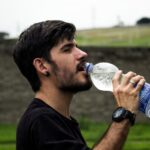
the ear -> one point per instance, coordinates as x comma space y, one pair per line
41, 66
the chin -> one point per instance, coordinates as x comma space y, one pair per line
77, 87
80, 88
84, 77
81, 82
84, 85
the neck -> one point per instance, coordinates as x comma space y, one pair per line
57, 99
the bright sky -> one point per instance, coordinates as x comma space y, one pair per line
16, 15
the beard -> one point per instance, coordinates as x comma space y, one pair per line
75, 87
67, 83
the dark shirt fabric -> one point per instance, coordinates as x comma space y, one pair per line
43, 128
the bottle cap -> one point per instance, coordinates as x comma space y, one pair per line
88, 67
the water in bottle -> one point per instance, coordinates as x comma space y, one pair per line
102, 74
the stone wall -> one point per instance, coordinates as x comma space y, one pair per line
16, 94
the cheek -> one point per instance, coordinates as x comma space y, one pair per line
67, 73
67, 66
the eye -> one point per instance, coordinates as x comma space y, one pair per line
67, 49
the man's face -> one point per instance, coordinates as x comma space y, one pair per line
68, 67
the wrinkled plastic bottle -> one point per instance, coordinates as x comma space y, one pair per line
102, 74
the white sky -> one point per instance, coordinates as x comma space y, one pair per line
16, 15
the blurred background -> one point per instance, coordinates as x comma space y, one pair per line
116, 31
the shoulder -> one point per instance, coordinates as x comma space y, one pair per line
36, 111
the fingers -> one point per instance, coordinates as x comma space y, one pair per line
134, 80
117, 78
140, 85
135, 84
127, 90
127, 77
129, 81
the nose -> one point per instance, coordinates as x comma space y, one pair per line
81, 54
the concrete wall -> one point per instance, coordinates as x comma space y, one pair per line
16, 94
99, 105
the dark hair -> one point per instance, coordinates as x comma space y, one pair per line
37, 41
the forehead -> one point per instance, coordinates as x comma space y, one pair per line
65, 41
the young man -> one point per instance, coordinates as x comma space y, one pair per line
47, 55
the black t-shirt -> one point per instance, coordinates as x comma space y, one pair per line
43, 128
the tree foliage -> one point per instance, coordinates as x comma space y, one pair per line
143, 21
3, 35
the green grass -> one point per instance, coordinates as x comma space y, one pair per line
8, 146
7, 137
138, 138
119, 36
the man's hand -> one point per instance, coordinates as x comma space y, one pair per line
126, 90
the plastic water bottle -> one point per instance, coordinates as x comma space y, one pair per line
102, 74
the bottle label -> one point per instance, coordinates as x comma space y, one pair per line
147, 111
144, 98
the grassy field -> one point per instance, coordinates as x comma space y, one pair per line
116, 36
138, 138
7, 137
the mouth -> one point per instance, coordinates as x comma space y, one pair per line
81, 66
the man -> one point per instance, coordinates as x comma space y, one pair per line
47, 55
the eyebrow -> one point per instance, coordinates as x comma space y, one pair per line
68, 45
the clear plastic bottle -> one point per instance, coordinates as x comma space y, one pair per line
102, 74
